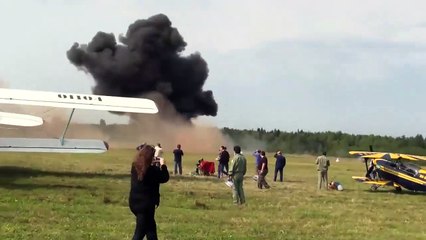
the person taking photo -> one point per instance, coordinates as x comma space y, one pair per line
144, 195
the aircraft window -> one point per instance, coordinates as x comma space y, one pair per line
411, 172
412, 166
65, 96
71, 96
78, 97
85, 98
90, 98
59, 95
100, 99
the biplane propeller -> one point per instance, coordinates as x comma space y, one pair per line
62, 100
391, 169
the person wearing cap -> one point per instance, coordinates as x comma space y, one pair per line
280, 163
322, 168
237, 170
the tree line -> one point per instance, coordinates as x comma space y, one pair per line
334, 143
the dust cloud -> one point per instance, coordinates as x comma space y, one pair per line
141, 128
169, 128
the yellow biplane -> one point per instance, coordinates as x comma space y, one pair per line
388, 169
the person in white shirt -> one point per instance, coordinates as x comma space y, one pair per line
158, 151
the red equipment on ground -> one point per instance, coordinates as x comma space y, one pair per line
206, 167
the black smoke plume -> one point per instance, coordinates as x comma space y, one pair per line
147, 60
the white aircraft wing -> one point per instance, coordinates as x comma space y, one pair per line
52, 145
62, 100
77, 101
16, 119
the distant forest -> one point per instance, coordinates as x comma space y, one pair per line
335, 143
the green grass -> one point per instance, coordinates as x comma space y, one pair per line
65, 196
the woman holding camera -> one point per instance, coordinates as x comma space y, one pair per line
145, 191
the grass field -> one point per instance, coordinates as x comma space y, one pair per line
65, 196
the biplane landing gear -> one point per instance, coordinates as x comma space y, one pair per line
374, 187
398, 189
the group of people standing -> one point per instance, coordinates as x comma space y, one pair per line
177, 153
261, 162
149, 170
235, 169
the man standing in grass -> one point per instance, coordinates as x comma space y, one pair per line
257, 158
322, 167
279, 165
178, 153
263, 171
237, 170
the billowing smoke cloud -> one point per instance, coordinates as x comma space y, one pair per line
147, 60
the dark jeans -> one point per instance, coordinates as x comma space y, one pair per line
145, 225
222, 169
178, 166
281, 170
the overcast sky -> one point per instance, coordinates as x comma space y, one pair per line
354, 66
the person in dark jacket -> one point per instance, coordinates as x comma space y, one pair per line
145, 191
178, 153
223, 162
263, 171
279, 165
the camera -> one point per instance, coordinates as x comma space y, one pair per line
156, 161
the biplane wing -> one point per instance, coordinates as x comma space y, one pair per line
393, 156
362, 153
412, 157
23, 120
49, 145
62, 100
373, 182
77, 101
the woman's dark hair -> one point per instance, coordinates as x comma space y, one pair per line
143, 160
263, 153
